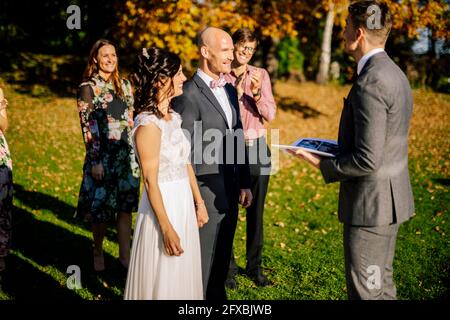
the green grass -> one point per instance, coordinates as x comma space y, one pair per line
303, 252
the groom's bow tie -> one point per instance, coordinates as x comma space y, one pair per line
219, 83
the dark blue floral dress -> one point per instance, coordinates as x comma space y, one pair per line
106, 122
6, 196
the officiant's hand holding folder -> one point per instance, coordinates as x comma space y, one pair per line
320, 147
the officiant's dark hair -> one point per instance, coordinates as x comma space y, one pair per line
361, 17
155, 66
244, 35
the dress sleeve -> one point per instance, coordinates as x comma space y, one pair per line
89, 126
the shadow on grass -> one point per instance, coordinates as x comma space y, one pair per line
443, 181
53, 247
22, 281
41, 201
291, 104
43, 75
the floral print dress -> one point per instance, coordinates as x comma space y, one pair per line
6, 196
106, 122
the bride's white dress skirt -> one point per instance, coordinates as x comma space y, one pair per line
154, 275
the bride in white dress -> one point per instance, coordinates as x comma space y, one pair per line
165, 255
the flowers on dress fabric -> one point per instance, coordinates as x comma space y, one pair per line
124, 185
110, 123
96, 145
100, 193
136, 173
3, 193
114, 132
5, 157
4, 175
130, 198
82, 106
87, 136
130, 118
93, 126
108, 97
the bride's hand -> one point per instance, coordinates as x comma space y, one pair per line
172, 243
202, 214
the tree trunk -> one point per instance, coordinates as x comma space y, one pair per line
269, 57
325, 56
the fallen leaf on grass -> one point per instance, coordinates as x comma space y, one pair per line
316, 197
280, 224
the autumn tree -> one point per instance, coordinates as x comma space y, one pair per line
174, 24
409, 16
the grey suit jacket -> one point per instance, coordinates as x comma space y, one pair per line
219, 181
372, 165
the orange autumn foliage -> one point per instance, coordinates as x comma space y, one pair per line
174, 24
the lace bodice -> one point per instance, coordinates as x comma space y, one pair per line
175, 147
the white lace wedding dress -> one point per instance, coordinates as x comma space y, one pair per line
153, 274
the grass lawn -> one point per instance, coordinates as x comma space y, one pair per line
303, 239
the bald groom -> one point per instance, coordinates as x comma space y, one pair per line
209, 103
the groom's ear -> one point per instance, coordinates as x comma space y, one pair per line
359, 33
204, 52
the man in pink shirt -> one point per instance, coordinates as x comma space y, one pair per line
257, 106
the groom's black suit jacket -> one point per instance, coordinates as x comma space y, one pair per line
221, 180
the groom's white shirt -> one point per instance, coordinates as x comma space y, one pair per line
220, 95
366, 58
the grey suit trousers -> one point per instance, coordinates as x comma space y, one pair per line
369, 253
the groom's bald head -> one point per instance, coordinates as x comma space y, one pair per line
210, 36
216, 50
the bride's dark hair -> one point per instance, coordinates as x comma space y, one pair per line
154, 68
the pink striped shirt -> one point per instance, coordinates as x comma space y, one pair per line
253, 114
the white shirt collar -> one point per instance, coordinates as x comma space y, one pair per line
366, 58
206, 78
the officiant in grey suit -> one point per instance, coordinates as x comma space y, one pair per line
210, 112
375, 194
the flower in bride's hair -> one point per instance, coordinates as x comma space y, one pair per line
145, 53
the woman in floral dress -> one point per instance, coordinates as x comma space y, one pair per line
6, 185
111, 174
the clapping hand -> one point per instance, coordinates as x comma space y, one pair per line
255, 86
240, 86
